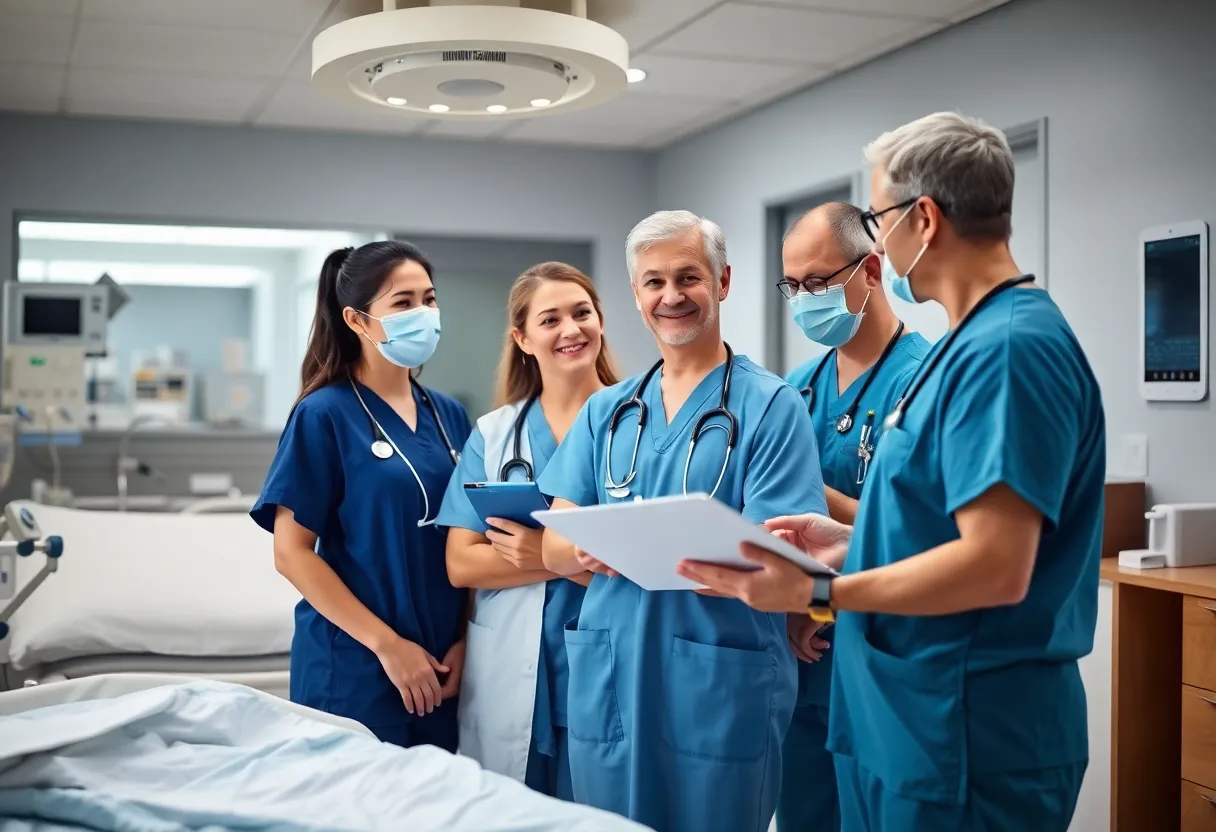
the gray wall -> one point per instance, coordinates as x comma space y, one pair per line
1128, 91
102, 169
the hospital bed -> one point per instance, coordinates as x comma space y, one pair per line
191, 594
135, 751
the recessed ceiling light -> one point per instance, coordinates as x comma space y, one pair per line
396, 102
633, 74
439, 108
543, 102
496, 109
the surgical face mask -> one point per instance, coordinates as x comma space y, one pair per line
411, 336
901, 284
826, 318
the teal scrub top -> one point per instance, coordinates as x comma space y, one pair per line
838, 452
929, 701
675, 697
562, 597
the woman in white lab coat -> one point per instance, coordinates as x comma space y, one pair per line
513, 696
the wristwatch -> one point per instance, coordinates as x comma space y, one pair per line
819, 607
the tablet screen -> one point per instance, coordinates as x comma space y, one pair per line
1172, 314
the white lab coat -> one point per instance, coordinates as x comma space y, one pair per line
498, 689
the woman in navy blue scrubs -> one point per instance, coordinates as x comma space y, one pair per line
352, 497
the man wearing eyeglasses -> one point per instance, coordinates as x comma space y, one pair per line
970, 587
833, 281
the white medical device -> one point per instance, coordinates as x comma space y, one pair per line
1174, 312
23, 538
57, 315
1179, 534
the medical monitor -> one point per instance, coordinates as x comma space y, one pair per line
57, 315
1174, 312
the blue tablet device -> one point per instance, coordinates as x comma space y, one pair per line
509, 500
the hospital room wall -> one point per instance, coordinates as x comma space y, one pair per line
220, 175
1125, 87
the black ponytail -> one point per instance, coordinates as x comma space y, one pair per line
349, 277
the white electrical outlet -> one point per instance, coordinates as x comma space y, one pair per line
1133, 455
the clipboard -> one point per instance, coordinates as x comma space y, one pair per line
644, 540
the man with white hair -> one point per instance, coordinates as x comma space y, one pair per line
969, 590
678, 702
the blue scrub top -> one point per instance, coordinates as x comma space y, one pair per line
838, 451
929, 701
365, 512
562, 597
674, 696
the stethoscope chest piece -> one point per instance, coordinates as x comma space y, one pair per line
844, 423
381, 449
619, 493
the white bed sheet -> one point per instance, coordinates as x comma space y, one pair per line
209, 755
163, 584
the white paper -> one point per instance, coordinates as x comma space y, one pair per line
644, 540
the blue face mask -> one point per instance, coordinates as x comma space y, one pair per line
826, 318
901, 284
411, 336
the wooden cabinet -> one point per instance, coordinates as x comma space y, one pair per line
1198, 808
1163, 714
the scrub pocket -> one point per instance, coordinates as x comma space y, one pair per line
914, 736
719, 701
591, 709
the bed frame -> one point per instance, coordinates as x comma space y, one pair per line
264, 673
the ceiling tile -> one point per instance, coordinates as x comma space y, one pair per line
294, 16
36, 38
181, 50
96, 91
780, 33
643, 22
628, 120
707, 78
929, 9
8, 7
488, 129
30, 87
299, 105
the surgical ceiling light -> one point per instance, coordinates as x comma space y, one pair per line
473, 59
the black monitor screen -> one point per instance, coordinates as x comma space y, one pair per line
1172, 317
49, 315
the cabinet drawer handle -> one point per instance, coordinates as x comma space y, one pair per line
1211, 702
1209, 798
1208, 607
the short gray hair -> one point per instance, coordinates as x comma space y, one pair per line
670, 225
963, 164
846, 227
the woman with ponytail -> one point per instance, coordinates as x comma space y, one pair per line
512, 712
351, 500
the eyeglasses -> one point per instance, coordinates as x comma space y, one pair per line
814, 285
869, 219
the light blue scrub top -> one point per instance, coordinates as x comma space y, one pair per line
365, 513
838, 451
677, 699
562, 597
929, 702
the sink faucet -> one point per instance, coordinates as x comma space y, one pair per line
128, 464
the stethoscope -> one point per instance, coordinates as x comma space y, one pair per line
620, 489
383, 445
844, 423
517, 460
896, 416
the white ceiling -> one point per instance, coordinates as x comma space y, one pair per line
248, 62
